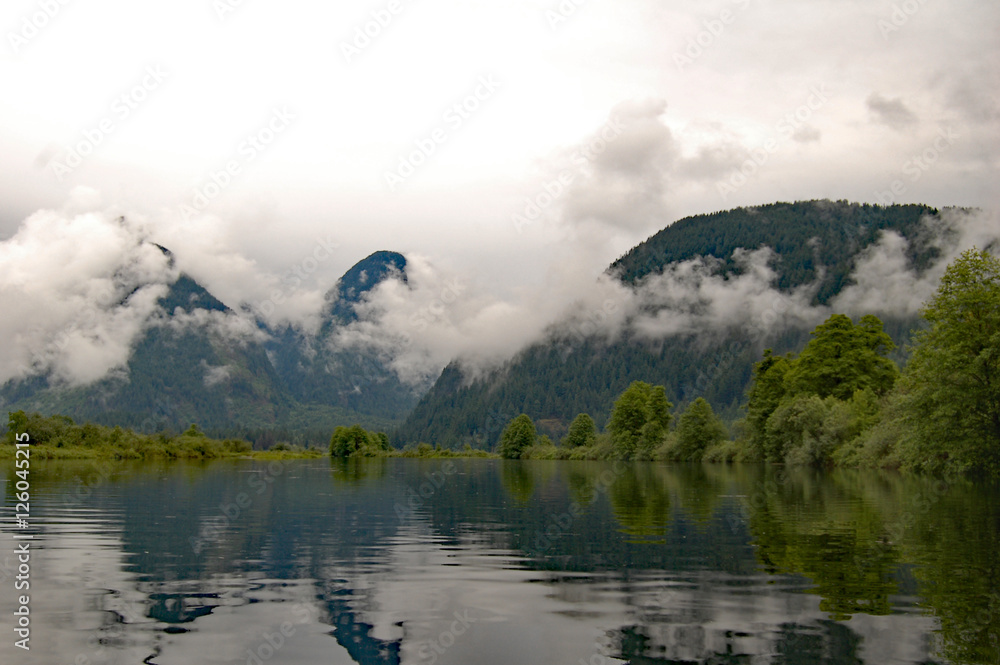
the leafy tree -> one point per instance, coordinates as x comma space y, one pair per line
348, 441
17, 423
639, 420
951, 390
766, 392
801, 410
698, 429
582, 432
795, 429
194, 431
842, 358
381, 441
517, 436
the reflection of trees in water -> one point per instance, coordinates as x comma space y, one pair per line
640, 499
518, 479
355, 470
849, 532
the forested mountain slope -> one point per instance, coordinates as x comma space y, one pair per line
815, 248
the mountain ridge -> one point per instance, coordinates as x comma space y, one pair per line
815, 248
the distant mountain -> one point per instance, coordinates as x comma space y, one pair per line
358, 281
815, 244
200, 362
316, 372
197, 360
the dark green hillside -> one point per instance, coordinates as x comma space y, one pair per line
315, 372
188, 295
555, 380
290, 387
359, 280
805, 236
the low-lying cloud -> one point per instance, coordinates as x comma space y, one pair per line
76, 289
421, 326
79, 286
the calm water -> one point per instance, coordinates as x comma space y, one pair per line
488, 562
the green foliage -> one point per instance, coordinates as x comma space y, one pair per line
842, 358
792, 230
60, 437
698, 429
582, 432
517, 437
949, 414
765, 394
803, 410
795, 430
577, 373
639, 420
356, 441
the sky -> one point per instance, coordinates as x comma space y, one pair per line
513, 148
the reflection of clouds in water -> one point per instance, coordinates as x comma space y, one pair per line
445, 581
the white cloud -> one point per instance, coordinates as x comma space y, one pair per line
76, 288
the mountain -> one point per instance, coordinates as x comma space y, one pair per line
317, 372
813, 249
199, 361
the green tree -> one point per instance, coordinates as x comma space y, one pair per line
348, 441
698, 429
381, 441
950, 393
842, 358
639, 420
517, 436
582, 432
767, 389
17, 423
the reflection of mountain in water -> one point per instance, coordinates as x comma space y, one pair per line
670, 564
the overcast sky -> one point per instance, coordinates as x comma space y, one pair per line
246, 134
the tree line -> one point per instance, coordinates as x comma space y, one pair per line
841, 401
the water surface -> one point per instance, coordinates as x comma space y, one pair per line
489, 562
